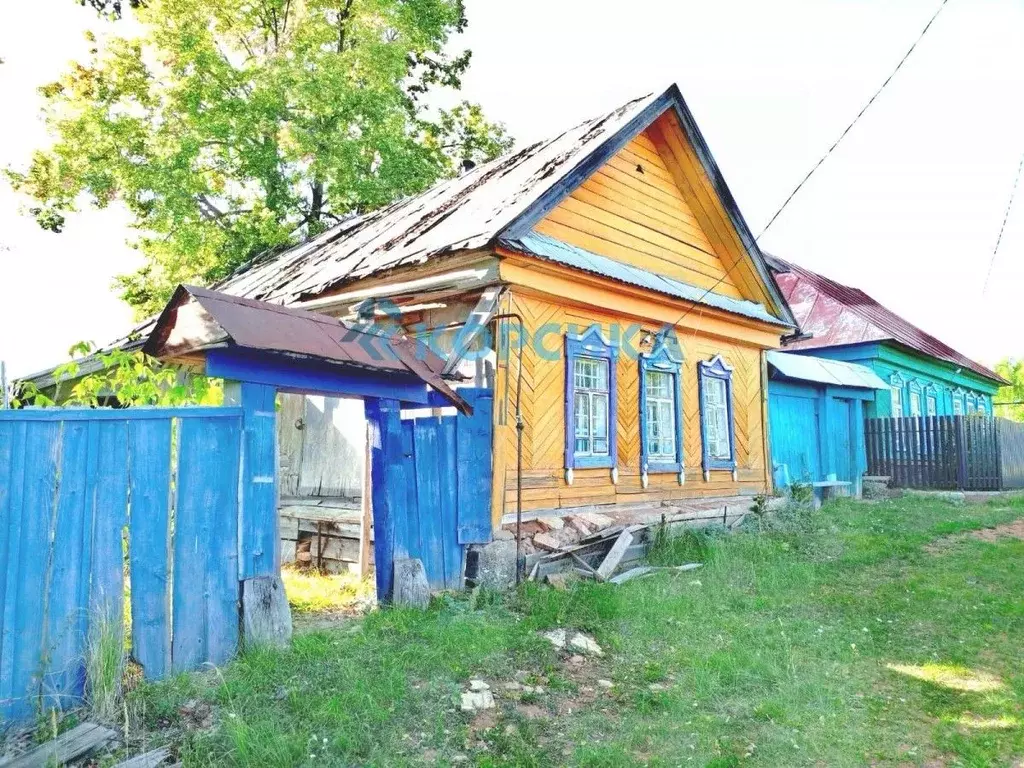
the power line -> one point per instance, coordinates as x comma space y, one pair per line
1002, 226
860, 114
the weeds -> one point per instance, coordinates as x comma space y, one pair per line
831, 638
104, 666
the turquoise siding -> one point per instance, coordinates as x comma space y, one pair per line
815, 430
913, 373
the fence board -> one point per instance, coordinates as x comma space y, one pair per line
205, 619
428, 497
473, 451
11, 466
149, 480
446, 453
1011, 453
42, 445
940, 452
64, 639
66, 480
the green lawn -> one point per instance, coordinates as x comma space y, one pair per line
836, 638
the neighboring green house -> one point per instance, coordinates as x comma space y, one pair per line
925, 376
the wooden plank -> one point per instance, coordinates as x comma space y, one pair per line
42, 454
449, 500
615, 555
206, 545
266, 617
110, 516
366, 518
151, 759
606, 247
78, 742
65, 638
428, 499
12, 470
289, 440
149, 482
473, 454
388, 490
257, 521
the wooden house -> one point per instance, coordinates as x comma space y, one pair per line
816, 412
925, 376
602, 284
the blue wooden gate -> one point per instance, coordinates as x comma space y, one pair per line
99, 507
431, 495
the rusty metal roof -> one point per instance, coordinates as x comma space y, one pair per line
198, 319
836, 314
464, 213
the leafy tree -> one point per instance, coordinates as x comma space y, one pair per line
1013, 371
230, 128
111, 9
132, 377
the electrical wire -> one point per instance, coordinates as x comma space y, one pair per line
860, 114
1002, 227
822, 160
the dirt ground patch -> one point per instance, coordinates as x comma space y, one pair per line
1014, 530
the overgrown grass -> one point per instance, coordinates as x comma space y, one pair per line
831, 638
311, 592
104, 666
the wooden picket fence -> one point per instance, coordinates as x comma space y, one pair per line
112, 513
967, 453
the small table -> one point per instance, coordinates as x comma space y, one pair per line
826, 490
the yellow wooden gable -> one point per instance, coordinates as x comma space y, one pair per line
653, 206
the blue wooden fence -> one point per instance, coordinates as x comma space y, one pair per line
431, 488
100, 506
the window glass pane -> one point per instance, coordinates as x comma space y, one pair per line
658, 384
897, 402
958, 406
600, 424
716, 419
930, 405
589, 373
915, 404
582, 422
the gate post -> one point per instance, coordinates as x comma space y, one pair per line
258, 540
387, 485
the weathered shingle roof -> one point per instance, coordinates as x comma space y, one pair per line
836, 314
464, 213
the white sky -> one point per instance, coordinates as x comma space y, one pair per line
908, 209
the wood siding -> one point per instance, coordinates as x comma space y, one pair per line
633, 211
543, 391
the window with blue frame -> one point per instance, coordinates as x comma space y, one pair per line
661, 416
982, 408
958, 403
589, 400
716, 415
931, 401
972, 404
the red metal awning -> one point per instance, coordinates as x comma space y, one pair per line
197, 320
